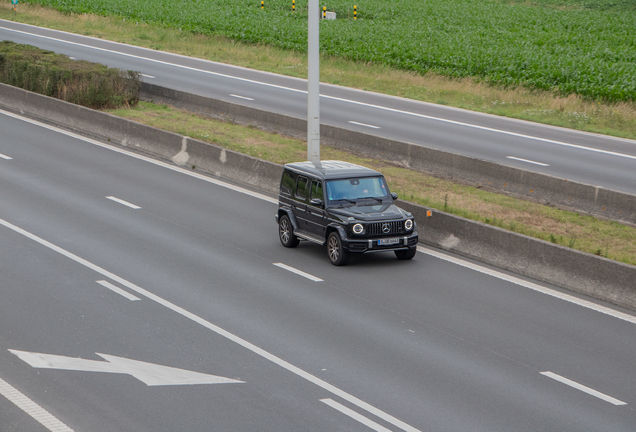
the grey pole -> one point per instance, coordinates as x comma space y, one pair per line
313, 83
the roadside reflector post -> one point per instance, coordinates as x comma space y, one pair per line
355, 12
429, 213
324, 12
262, 4
293, 5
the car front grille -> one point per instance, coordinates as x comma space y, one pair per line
385, 228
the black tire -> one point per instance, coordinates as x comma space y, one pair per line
405, 254
286, 233
337, 255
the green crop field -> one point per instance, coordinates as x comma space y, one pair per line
586, 47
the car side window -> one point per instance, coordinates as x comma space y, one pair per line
316, 190
287, 183
301, 187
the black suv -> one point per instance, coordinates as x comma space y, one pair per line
345, 205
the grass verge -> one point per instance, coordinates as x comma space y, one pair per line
76, 81
605, 238
609, 239
539, 106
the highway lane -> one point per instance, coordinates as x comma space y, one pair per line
429, 343
588, 158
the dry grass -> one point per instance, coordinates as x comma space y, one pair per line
610, 239
569, 229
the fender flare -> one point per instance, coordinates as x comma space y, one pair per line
290, 215
336, 227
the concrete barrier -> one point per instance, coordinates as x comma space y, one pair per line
577, 271
164, 145
542, 188
580, 272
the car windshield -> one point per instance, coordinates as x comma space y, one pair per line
352, 189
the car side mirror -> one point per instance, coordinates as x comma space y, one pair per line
394, 195
316, 202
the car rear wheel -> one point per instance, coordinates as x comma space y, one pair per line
286, 233
337, 255
405, 254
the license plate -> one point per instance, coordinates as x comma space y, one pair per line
392, 241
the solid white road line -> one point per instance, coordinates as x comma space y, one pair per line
530, 285
241, 97
143, 158
118, 290
31, 408
528, 161
154, 60
583, 388
220, 331
489, 129
5, 157
298, 272
354, 415
379, 107
365, 125
148, 76
126, 203
455, 260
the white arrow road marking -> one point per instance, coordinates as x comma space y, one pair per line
242, 342
149, 373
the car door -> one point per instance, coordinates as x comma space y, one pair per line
299, 203
316, 216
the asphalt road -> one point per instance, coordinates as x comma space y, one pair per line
589, 158
433, 344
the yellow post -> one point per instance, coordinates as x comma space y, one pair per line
324, 12
293, 5
262, 4
355, 12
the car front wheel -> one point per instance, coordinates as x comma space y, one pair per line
286, 233
337, 255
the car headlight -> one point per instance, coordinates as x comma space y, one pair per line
408, 224
358, 228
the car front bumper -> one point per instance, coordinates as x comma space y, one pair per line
368, 245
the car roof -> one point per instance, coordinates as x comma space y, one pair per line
330, 169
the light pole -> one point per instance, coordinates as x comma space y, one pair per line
313, 83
